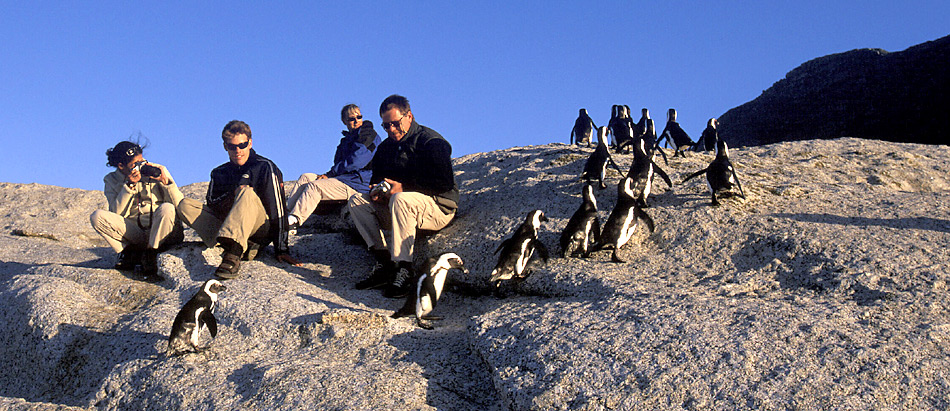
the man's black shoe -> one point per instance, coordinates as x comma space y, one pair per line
127, 260
404, 281
380, 277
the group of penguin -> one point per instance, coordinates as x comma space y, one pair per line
583, 233
198, 313
582, 236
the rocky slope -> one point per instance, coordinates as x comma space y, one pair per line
866, 93
825, 288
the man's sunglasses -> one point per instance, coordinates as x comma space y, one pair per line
388, 124
355, 118
233, 147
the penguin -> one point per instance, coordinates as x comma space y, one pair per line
623, 220
675, 136
429, 288
642, 123
197, 313
596, 166
583, 229
709, 137
624, 130
583, 129
612, 129
649, 137
720, 174
517, 251
642, 171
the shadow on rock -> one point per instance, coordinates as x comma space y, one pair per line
916, 223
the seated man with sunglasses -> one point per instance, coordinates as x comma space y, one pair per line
245, 207
413, 187
349, 174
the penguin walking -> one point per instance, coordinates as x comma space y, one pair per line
648, 136
583, 129
197, 313
429, 288
612, 125
675, 136
642, 170
517, 251
623, 220
583, 229
720, 174
709, 137
598, 161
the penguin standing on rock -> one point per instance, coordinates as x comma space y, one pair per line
624, 130
623, 220
429, 288
197, 313
598, 161
583, 229
642, 171
675, 136
583, 129
517, 251
709, 137
720, 174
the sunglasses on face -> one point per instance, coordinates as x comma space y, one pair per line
394, 123
352, 119
233, 147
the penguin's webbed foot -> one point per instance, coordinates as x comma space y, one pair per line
423, 324
616, 256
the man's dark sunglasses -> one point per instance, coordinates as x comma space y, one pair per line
355, 118
232, 147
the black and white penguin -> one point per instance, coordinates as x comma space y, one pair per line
596, 166
709, 137
642, 123
642, 171
612, 129
517, 251
583, 229
675, 136
197, 313
623, 130
623, 220
583, 129
720, 174
429, 288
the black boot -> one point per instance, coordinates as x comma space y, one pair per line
150, 263
128, 259
382, 272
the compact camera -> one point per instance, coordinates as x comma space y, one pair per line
147, 170
381, 189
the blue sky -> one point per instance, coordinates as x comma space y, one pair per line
78, 77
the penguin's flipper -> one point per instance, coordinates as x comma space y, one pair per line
208, 319
595, 230
610, 160
738, 184
502, 245
663, 153
663, 175
696, 174
646, 218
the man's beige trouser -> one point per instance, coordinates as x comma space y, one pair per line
122, 232
247, 219
405, 213
307, 193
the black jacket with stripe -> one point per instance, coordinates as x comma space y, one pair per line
266, 179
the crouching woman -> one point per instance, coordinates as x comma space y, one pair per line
141, 220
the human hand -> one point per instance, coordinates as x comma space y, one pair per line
287, 258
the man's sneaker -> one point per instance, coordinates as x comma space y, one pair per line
401, 284
381, 276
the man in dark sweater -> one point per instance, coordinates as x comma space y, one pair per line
413, 187
245, 207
